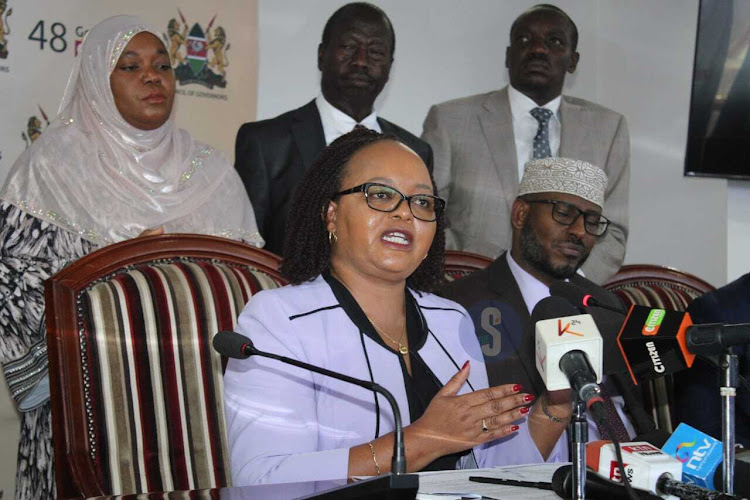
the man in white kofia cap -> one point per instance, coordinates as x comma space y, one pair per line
556, 219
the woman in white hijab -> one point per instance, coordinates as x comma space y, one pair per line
113, 165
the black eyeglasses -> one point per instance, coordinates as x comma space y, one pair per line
387, 199
567, 214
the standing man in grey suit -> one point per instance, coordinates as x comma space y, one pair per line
481, 143
271, 156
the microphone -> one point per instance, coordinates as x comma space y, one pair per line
568, 349
596, 487
676, 341
715, 338
647, 468
608, 320
234, 345
653, 342
643, 463
578, 296
700, 454
689, 491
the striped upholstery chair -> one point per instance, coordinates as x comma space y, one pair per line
137, 389
663, 288
459, 264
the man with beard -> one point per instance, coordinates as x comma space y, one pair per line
556, 221
482, 142
271, 156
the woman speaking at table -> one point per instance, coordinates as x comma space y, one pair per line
364, 246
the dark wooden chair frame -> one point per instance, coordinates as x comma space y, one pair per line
465, 261
74, 469
657, 274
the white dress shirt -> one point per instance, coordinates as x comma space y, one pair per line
337, 123
533, 291
525, 126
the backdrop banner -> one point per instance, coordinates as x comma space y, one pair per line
213, 45
214, 50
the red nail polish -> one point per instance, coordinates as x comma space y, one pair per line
528, 398
514, 428
465, 364
524, 410
517, 387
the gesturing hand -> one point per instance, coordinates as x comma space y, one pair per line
454, 423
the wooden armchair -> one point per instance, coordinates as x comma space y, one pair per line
460, 264
663, 288
136, 387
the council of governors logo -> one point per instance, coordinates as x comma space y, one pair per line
34, 127
5, 13
198, 56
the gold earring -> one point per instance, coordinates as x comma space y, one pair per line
332, 238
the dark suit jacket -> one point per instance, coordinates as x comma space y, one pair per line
503, 323
697, 400
273, 155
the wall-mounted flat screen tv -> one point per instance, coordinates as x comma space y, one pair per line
719, 130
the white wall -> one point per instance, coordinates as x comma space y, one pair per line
636, 57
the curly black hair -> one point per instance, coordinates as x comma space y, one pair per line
307, 252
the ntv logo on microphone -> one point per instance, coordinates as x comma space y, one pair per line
694, 460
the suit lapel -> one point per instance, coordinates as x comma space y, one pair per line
576, 129
385, 126
503, 284
497, 125
307, 131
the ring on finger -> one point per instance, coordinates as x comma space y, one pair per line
484, 426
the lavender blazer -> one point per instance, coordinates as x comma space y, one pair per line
286, 424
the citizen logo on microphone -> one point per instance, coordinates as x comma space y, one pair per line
658, 366
653, 321
653, 342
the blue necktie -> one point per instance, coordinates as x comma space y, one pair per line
541, 139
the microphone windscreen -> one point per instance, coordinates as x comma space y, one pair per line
231, 344
597, 488
551, 308
608, 322
568, 291
559, 478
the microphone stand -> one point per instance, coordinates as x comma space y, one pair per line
398, 479
728, 392
579, 436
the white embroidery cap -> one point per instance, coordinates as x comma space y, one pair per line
563, 175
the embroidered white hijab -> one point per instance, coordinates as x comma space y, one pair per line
94, 174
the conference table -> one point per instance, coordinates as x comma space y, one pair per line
443, 485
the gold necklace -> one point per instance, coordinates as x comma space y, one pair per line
403, 349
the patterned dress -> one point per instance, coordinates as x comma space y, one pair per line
31, 250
